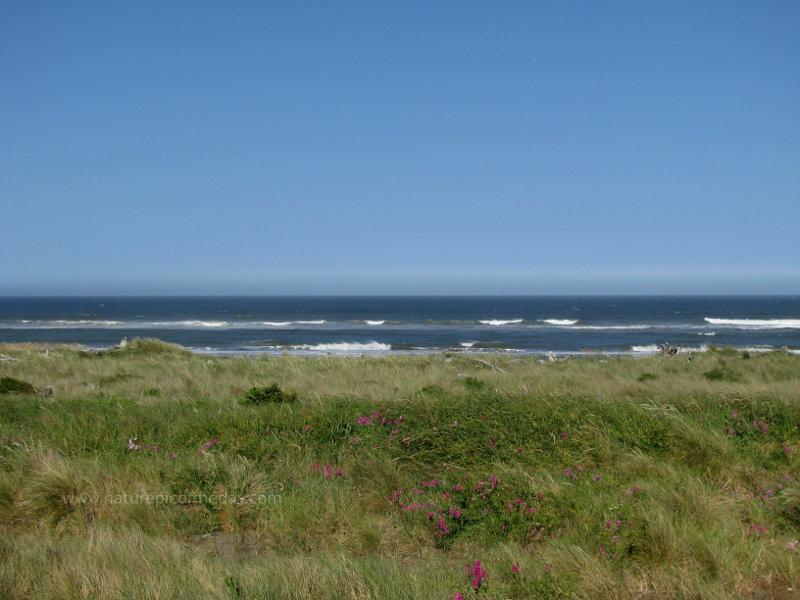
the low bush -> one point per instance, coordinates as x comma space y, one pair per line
270, 394
9, 385
723, 374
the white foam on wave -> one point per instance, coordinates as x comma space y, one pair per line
467, 344
757, 349
610, 327
756, 323
194, 323
650, 349
501, 322
708, 333
702, 348
183, 324
765, 349
368, 322
559, 321
346, 347
65, 323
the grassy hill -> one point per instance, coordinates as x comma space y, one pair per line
151, 472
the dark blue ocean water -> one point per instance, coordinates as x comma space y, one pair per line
529, 324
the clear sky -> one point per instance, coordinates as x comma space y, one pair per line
399, 147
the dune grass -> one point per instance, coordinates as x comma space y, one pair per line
155, 473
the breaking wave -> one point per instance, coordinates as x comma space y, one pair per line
368, 322
611, 327
346, 347
650, 349
182, 324
186, 324
501, 322
78, 323
559, 321
756, 323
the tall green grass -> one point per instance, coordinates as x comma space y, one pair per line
149, 474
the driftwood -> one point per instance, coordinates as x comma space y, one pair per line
486, 363
668, 349
4, 358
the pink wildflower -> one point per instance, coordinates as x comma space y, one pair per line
476, 574
441, 527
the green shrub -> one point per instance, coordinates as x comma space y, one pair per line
9, 385
723, 374
475, 384
267, 395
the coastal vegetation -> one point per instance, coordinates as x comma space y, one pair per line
152, 472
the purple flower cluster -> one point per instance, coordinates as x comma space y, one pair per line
476, 575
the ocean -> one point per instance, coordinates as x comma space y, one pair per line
403, 324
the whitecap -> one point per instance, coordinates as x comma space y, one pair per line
757, 349
346, 347
559, 321
650, 348
610, 327
368, 322
757, 323
501, 322
187, 323
64, 323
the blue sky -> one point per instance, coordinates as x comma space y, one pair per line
399, 147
